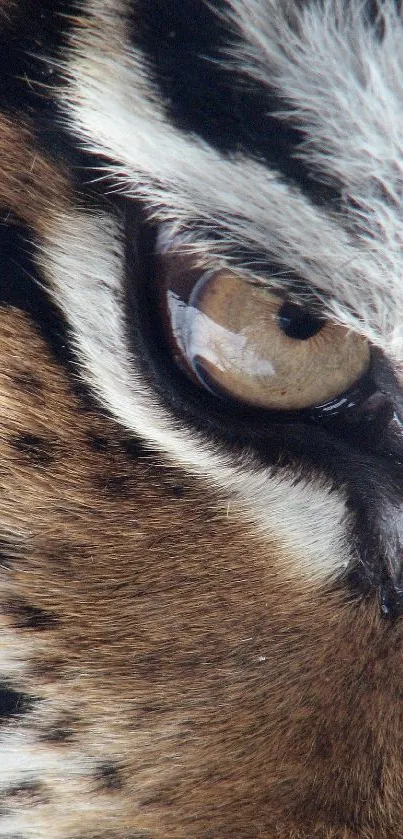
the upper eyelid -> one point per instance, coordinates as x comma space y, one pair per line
276, 279
301, 295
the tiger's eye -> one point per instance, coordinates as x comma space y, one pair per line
245, 342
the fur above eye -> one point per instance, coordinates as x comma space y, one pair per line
246, 343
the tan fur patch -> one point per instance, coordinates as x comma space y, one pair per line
31, 187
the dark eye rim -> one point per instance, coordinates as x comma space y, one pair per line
346, 403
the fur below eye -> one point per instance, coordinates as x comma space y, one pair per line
243, 342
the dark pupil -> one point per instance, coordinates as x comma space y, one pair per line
297, 323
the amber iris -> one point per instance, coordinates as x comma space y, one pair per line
246, 343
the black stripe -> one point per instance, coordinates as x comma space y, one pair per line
183, 43
13, 703
22, 287
19, 286
32, 36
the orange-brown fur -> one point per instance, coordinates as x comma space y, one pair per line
31, 187
215, 699
163, 612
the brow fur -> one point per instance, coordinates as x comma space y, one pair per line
338, 252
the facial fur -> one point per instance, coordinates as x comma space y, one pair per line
197, 636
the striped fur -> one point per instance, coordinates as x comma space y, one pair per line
196, 637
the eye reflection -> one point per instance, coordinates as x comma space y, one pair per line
205, 341
246, 343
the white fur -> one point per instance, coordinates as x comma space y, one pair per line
342, 85
12, 658
65, 774
23, 753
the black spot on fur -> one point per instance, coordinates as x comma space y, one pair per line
7, 550
4, 812
61, 561
58, 736
108, 778
118, 486
86, 402
48, 669
61, 731
97, 443
30, 793
67, 558
39, 451
13, 703
135, 449
28, 382
177, 490
26, 616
